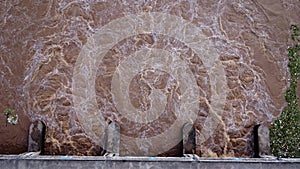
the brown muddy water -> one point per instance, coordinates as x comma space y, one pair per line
151, 66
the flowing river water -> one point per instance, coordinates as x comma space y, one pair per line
150, 66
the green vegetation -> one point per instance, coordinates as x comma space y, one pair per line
11, 118
285, 131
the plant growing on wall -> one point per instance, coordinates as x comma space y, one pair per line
284, 133
11, 118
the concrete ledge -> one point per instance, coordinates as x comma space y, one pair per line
34, 161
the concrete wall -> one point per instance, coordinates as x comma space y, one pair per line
93, 162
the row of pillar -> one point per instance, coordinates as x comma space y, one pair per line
37, 133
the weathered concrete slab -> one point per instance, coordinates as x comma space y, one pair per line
112, 145
264, 140
261, 141
189, 139
32, 161
36, 136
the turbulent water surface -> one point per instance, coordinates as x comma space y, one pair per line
151, 66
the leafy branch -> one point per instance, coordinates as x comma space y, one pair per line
11, 118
